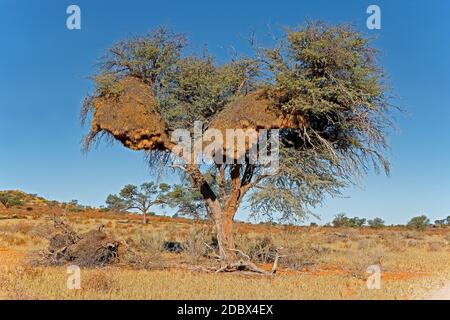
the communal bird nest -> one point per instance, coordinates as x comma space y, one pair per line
131, 116
252, 112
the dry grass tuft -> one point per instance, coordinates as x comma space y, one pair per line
99, 280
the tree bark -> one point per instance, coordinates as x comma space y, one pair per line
145, 217
223, 219
223, 223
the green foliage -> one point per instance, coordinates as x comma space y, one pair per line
9, 199
376, 223
419, 223
327, 75
342, 221
442, 222
200, 88
107, 84
115, 203
151, 58
187, 200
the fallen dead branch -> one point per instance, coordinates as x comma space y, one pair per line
93, 248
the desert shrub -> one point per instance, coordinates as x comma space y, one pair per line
11, 200
376, 223
195, 247
342, 221
400, 245
344, 235
29, 271
297, 258
419, 223
13, 239
435, 246
99, 280
153, 242
364, 244
332, 238
262, 250
413, 243
412, 235
141, 260
21, 227
360, 260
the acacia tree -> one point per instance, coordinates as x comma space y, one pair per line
419, 222
320, 86
140, 198
187, 200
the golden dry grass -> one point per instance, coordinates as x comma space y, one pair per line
321, 263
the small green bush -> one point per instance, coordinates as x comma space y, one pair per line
419, 223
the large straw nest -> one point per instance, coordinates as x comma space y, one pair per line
131, 116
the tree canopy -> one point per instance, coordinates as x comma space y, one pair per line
321, 87
141, 198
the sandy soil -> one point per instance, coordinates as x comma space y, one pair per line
440, 294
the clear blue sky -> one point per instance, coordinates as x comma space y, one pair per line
43, 81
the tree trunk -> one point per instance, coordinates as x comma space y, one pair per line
222, 218
223, 222
145, 217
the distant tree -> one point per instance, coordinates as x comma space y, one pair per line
419, 222
140, 198
104, 209
440, 223
357, 222
115, 203
342, 221
187, 200
447, 221
376, 223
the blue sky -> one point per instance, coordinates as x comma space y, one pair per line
44, 69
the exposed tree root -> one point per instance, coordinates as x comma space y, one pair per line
242, 266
